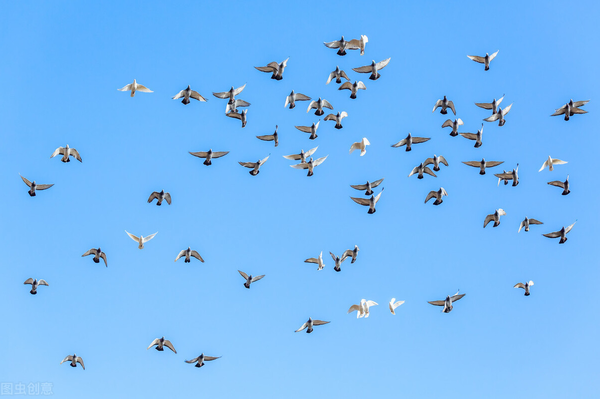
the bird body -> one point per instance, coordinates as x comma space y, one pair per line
135, 86
362, 146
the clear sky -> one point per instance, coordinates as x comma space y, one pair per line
62, 62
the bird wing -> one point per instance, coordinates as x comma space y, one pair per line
90, 252
554, 234
254, 279
155, 342
311, 151
556, 161
168, 198
80, 361
334, 44
355, 146
248, 164
194, 360
26, 181
196, 96
503, 176
244, 275
266, 69
311, 260
210, 358
543, 165
457, 297
268, 137
311, 105
492, 118
179, 95
475, 164
360, 85
200, 154
345, 86
488, 219
557, 183
443, 160
43, 282
376, 183
326, 104
477, 58
125, 88
29, 281
521, 226
302, 97
302, 327
372, 303
67, 359
383, 64
519, 285
378, 196
153, 196
331, 76
75, 153
431, 195
320, 161
494, 55
491, 164
151, 236
448, 123
359, 186
43, 186
59, 150
219, 154
363, 69
429, 172
239, 90
451, 106
417, 140
196, 255
354, 308
506, 110
580, 103
361, 201
559, 111
143, 89
485, 105
470, 136
343, 75
400, 143
437, 303
534, 221
302, 165
576, 110
438, 103
235, 115
134, 238
306, 129
182, 253
566, 231
103, 256
319, 322
294, 157
169, 345
224, 94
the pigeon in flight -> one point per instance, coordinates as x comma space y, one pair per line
338, 74
188, 93
233, 106
454, 125
97, 255
230, 95
525, 286
368, 186
310, 129
353, 87
550, 162
274, 68
420, 169
571, 108
447, 303
310, 324
358, 44
493, 105
318, 261
484, 60
160, 197
341, 45
373, 69
241, 116
499, 116
310, 165
494, 217
351, 253
318, 105
141, 240
483, 164
370, 202
444, 104
188, 253
475, 136
526, 222
293, 97
393, 305
254, 165
33, 186
66, 152
302, 156
209, 155
271, 137
435, 161
337, 118
249, 279
161, 343
135, 86
409, 141
562, 233
362, 309
74, 359
362, 146
201, 359
437, 195
562, 184
35, 283
514, 176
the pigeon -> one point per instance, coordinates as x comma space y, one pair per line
444, 104
97, 255
562, 184
358, 44
135, 86
254, 165
526, 222
337, 118
341, 45
435, 161
161, 343
454, 125
409, 141
160, 197
230, 94
571, 108
188, 93
437, 195
484, 60
293, 97
525, 286
499, 116
310, 324
271, 137
362, 309
318, 105
35, 284
209, 155
362, 146
66, 152
241, 116
201, 359
141, 240
373, 69
188, 253
351, 253
318, 261
562, 233
495, 217
353, 87
233, 106
310, 129
475, 136
368, 186
514, 176
249, 279
302, 156
420, 170
483, 164
74, 359
310, 165
370, 202
550, 162
447, 303
338, 262
338, 74
33, 186
274, 68
393, 305
493, 105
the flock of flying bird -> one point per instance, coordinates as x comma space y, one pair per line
308, 163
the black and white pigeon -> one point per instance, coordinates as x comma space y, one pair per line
97, 255
209, 155
188, 93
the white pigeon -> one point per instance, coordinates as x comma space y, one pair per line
135, 86
550, 162
393, 305
362, 309
362, 146
358, 44
66, 152
141, 240
317, 261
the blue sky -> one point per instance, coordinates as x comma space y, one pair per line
62, 63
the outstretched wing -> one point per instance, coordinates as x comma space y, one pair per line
361, 201
196, 255
319, 322
363, 69
477, 58
244, 275
383, 64
437, 303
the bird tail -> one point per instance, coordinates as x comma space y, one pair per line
186, 101
254, 172
371, 211
207, 162
353, 96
